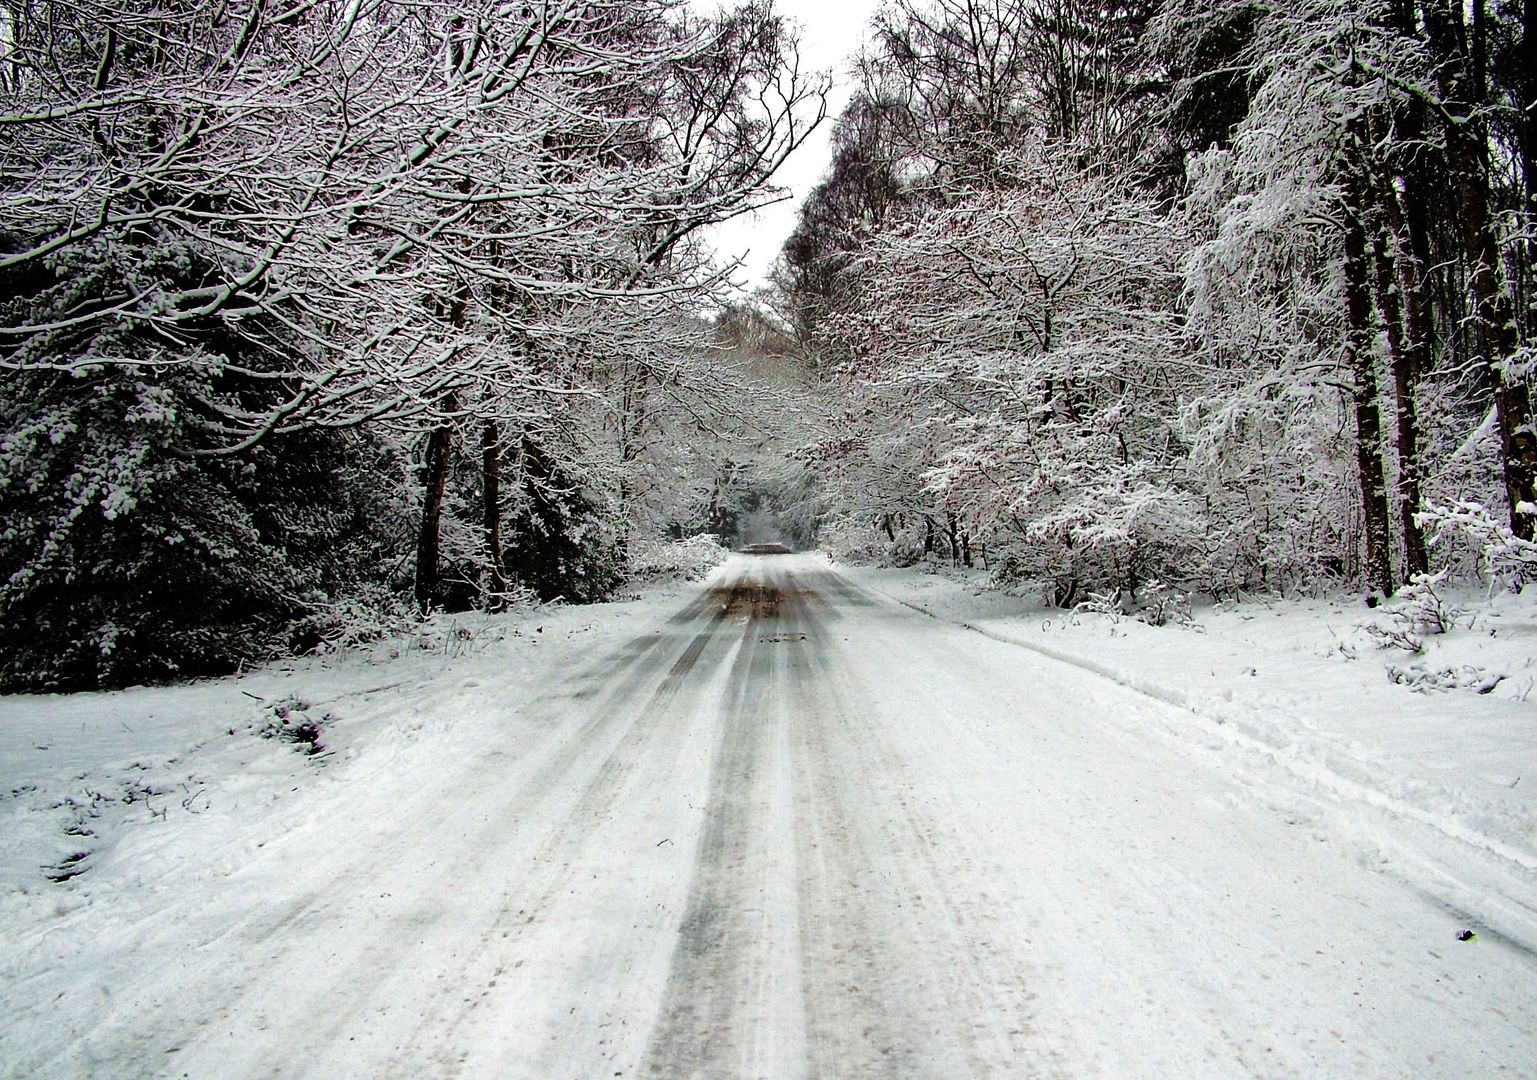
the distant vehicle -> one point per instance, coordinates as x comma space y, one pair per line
765, 549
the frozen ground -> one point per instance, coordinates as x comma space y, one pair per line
785, 826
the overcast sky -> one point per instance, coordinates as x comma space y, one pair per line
832, 33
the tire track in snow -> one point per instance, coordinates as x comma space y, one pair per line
729, 1006
579, 774
657, 740
546, 869
869, 966
900, 979
657, 725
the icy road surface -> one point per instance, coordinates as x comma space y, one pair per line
800, 831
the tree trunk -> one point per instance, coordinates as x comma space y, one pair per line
491, 490
1359, 360
440, 445
632, 429
1403, 357
1410, 219
1527, 54
1492, 308
440, 449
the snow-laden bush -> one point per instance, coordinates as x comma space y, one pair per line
564, 533
852, 539
689, 559
1423, 679
371, 613
1155, 604
1160, 605
290, 721
1504, 559
1438, 636
1417, 612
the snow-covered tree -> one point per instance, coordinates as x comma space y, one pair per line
416, 222
1317, 336
1027, 334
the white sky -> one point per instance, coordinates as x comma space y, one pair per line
832, 33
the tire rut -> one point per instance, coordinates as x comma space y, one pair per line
611, 721
900, 979
716, 1017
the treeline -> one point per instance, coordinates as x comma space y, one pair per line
1232, 295
315, 311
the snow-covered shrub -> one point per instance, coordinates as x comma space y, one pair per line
1106, 604
1155, 604
1417, 612
290, 721
1421, 604
1160, 605
1424, 679
689, 559
1504, 558
371, 612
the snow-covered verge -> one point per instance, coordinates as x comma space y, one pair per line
1422, 764
114, 801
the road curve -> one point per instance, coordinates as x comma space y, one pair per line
798, 831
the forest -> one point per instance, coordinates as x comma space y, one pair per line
319, 316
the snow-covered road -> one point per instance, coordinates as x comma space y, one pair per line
796, 830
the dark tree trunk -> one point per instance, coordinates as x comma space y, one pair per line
440, 450
440, 445
491, 492
1528, 128
1492, 307
1359, 360
1410, 219
1403, 355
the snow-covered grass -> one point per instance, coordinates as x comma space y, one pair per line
1411, 727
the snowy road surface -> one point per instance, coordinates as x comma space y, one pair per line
794, 831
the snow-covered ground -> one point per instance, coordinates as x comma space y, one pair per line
784, 825
1308, 699
122, 813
